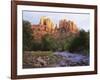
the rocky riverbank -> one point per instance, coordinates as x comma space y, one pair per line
56, 59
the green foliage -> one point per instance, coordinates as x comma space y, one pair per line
67, 43
48, 43
36, 46
80, 43
27, 36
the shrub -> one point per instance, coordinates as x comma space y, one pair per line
80, 43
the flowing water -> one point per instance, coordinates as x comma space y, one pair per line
72, 59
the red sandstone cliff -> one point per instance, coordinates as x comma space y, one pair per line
46, 25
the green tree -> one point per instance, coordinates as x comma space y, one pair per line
27, 36
80, 43
48, 43
67, 42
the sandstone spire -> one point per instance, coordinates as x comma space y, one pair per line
47, 22
69, 26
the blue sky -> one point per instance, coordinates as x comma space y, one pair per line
82, 20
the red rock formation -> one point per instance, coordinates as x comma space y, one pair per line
46, 26
47, 22
69, 26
